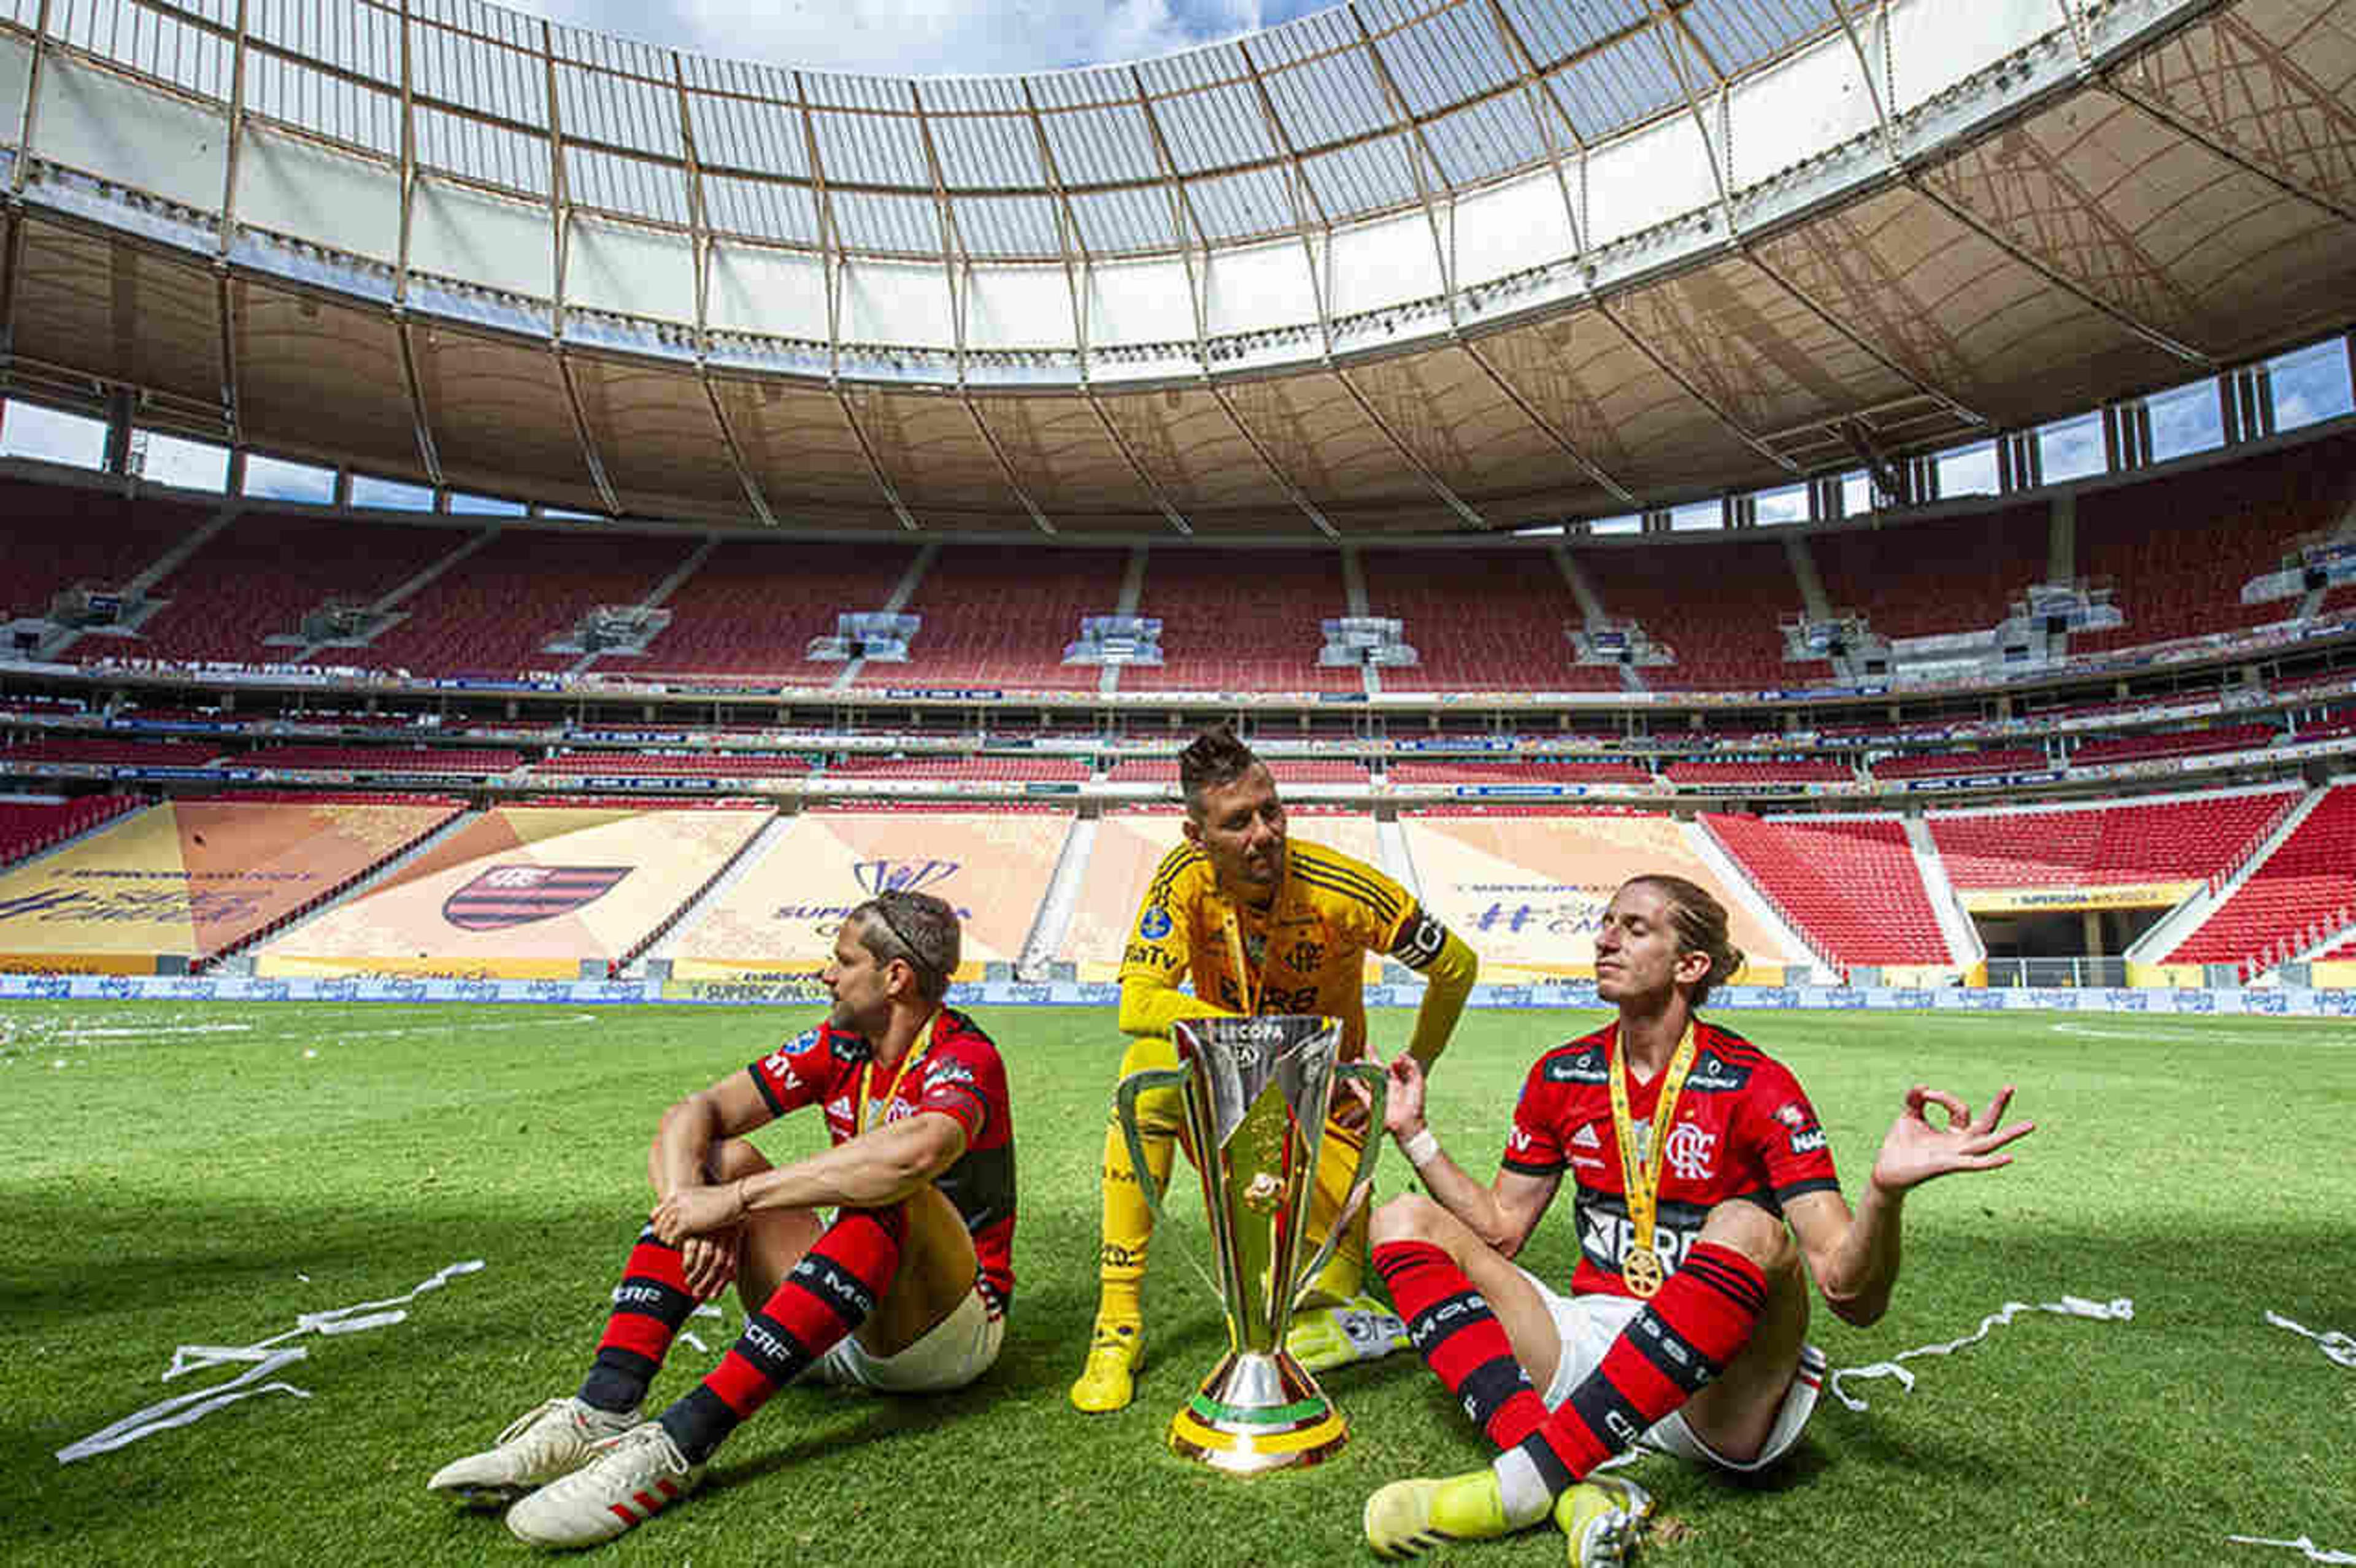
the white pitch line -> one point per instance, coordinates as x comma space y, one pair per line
69, 1035
2178, 1036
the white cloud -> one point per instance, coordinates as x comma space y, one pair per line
919, 38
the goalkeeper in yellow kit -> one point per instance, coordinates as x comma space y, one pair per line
1262, 925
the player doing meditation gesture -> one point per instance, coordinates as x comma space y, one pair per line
1705, 1201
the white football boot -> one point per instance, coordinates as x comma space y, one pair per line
629, 1480
543, 1444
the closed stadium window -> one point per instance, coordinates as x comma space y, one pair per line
2311, 384
1695, 516
391, 494
52, 435
2185, 419
483, 505
1857, 493
1789, 504
1967, 470
163, 459
2070, 449
276, 479
1627, 523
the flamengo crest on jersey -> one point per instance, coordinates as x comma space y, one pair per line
1743, 1129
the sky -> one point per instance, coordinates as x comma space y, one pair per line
928, 37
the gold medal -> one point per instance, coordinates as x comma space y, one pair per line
1642, 1150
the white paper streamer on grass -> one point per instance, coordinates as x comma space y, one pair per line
266, 1357
2340, 1347
2314, 1553
2119, 1311
185, 1408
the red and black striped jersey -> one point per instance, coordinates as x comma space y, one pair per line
1743, 1129
960, 1075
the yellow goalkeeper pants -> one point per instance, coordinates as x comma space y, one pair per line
1129, 1215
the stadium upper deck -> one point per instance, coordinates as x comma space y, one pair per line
1404, 265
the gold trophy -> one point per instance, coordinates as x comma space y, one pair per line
1255, 1092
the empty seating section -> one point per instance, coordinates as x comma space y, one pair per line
1242, 620
2179, 549
1316, 769
1483, 771
753, 606
28, 827
261, 575
1143, 770
1815, 770
1034, 768
491, 613
1480, 622
2165, 841
2297, 896
1849, 884
700, 764
1000, 616
2329, 728
1951, 574
105, 751
383, 759
1961, 764
59, 536
2173, 743
1717, 604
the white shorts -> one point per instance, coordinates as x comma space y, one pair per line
951, 1354
1587, 1324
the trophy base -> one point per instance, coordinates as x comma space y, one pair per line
1258, 1412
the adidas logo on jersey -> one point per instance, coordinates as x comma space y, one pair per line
1586, 1137
838, 1108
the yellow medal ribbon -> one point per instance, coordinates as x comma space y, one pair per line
1640, 1171
916, 1054
1247, 983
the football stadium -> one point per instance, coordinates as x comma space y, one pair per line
516, 531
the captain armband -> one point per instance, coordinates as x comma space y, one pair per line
1421, 939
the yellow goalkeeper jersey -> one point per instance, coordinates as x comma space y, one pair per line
1304, 951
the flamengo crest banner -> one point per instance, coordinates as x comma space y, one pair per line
518, 894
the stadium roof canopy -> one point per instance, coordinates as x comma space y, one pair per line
1404, 265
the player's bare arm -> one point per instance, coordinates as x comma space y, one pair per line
1855, 1257
1504, 1213
683, 1156
873, 1169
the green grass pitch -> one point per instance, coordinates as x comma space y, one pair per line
202, 1174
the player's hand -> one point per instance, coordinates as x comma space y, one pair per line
710, 1263
1403, 1109
696, 1211
1351, 1106
1916, 1150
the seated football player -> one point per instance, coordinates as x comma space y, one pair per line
1262, 924
1705, 1202
883, 1262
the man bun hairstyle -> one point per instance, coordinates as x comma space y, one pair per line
919, 930
1215, 758
1699, 921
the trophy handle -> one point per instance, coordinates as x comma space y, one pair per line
1124, 1096
1376, 1078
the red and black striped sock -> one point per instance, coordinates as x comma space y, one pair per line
1450, 1326
1669, 1351
823, 1297
649, 1304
